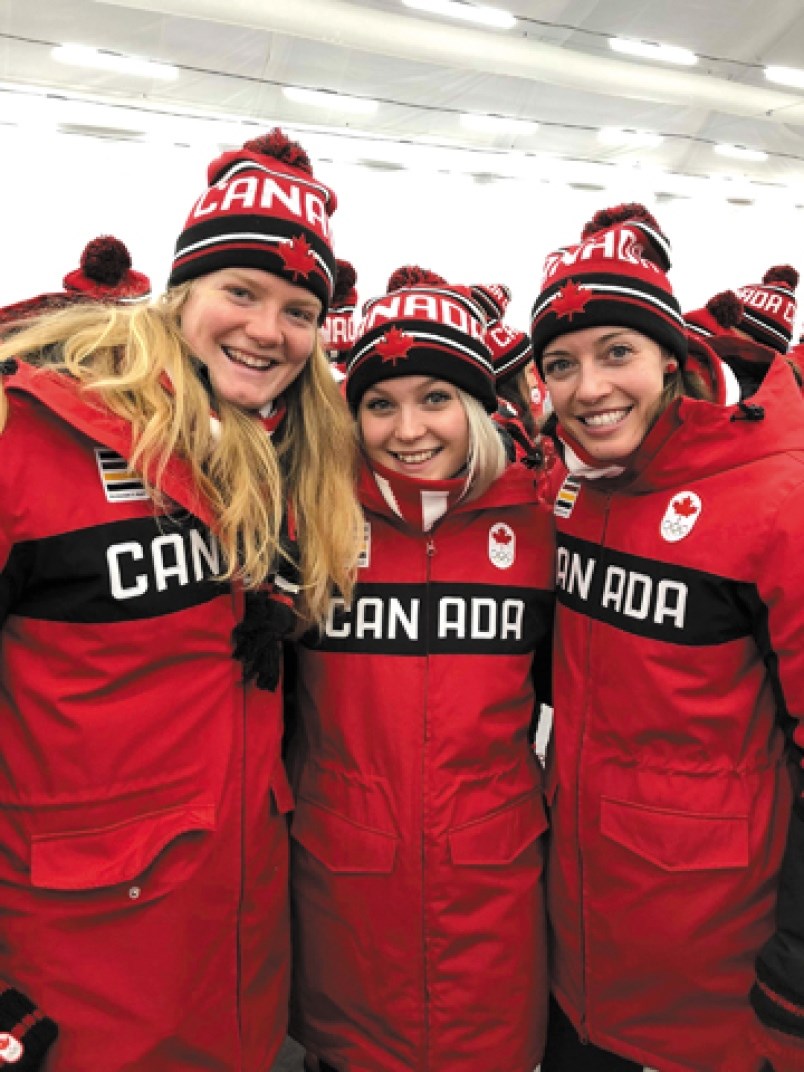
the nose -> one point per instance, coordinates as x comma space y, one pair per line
264, 325
409, 425
592, 382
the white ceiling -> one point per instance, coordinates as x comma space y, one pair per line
554, 68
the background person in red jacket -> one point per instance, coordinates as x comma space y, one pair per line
419, 939
676, 871
143, 872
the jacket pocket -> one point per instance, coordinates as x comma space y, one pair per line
341, 845
676, 840
108, 856
499, 838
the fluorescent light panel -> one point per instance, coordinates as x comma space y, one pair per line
458, 9
786, 76
322, 98
741, 152
635, 139
651, 50
83, 56
496, 124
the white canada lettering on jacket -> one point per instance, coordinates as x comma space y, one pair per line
457, 617
176, 558
262, 192
623, 591
427, 306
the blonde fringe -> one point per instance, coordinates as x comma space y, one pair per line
121, 356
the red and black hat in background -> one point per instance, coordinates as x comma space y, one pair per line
511, 350
424, 330
615, 275
493, 298
263, 209
769, 307
338, 329
105, 273
719, 316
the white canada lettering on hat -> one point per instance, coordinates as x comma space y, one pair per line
338, 328
253, 193
616, 244
500, 334
423, 306
682, 512
768, 302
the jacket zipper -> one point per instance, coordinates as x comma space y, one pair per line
430, 550
583, 1031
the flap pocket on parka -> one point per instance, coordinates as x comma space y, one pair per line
499, 838
341, 845
676, 840
106, 856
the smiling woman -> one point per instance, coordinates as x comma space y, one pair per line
200, 466
677, 661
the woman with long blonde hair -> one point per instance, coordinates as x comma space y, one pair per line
177, 496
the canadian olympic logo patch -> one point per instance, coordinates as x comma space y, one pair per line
11, 1049
682, 512
502, 545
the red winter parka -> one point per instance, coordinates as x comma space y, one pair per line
143, 865
417, 849
679, 660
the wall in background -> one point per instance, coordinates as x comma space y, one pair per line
61, 191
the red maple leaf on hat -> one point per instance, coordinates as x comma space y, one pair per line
501, 535
394, 345
685, 507
571, 299
297, 256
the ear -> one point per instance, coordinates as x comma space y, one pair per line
669, 365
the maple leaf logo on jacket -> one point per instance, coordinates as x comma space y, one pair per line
394, 346
570, 300
502, 545
299, 261
682, 512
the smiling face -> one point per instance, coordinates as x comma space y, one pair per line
415, 425
605, 384
254, 331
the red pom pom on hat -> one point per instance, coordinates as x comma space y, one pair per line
782, 273
411, 275
607, 217
279, 146
345, 280
106, 274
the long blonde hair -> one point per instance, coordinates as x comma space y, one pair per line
123, 357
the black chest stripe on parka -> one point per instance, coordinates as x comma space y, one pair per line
440, 618
653, 599
121, 571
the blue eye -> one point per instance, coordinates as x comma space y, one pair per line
239, 292
555, 367
438, 398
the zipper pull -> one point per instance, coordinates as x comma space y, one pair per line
430, 548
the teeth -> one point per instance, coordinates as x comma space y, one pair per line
247, 359
415, 459
598, 420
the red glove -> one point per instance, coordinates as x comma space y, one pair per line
762, 1049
